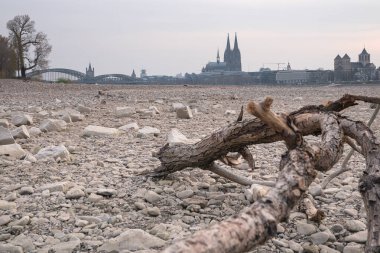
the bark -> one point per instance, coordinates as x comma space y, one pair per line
257, 223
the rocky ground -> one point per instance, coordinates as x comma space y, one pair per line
67, 187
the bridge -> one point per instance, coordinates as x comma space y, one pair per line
69, 75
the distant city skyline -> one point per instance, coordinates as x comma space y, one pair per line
168, 37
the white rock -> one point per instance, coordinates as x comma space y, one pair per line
83, 109
184, 113
74, 193
154, 109
4, 123
21, 132
75, 115
230, 112
5, 205
6, 136
13, 150
175, 136
147, 130
130, 126
34, 131
50, 125
55, 187
22, 119
359, 237
92, 130
176, 106
124, 111
54, 152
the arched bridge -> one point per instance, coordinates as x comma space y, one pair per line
55, 74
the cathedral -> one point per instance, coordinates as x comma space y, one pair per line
232, 59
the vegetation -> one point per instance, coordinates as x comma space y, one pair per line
31, 47
63, 80
8, 59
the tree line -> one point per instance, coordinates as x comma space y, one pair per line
24, 49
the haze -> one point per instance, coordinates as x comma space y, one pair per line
168, 37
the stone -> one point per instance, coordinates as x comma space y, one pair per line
55, 152
129, 127
310, 249
34, 131
230, 112
185, 194
92, 130
132, 240
6, 136
154, 109
356, 248
153, 211
295, 246
359, 237
25, 242
25, 220
355, 225
315, 189
305, 228
176, 106
351, 211
26, 190
53, 125
106, 192
21, 132
75, 193
319, 238
325, 249
83, 109
5, 205
55, 187
9, 248
184, 113
75, 116
124, 111
66, 117
94, 198
152, 197
12, 150
5, 219
147, 130
175, 136
65, 247
4, 123
21, 119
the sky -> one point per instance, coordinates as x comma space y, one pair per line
167, 37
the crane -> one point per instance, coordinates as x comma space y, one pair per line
277, 63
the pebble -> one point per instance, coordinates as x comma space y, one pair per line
75, 193
26, 190
153, 211
152, 197
359, 237
305, 228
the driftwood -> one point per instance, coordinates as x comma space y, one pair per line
257, 223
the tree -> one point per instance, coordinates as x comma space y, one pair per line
8, 61
32, 48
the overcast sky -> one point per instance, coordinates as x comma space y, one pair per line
173, 36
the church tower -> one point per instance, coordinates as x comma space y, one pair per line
236, 56
228, 53
218, 57
364, 58
90, 72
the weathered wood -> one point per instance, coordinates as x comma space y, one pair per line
257, 223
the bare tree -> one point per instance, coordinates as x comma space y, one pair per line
8, 61
32, 48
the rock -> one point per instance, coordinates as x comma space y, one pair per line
337, 229
9, 248
356, 248
296, 247
176, 106
75, 115
12, 150
147, 130
83, 109
152, 197
6, 136
175, 136
55, 187
5, 205
351, 211
55, 152
34, 131
65, 247
66, 117
310, 249
184, 113
106, 192
21, 133
355, 225
319, 238
22, 119
92, 130
153, 211
315, 189
75, 193
154, 109
129, 127
305, 228
5, 219
21, 222
325, 249
132, 239
25, 242
230, 112
94, 198
26, 190
359, 237
185, 194
51, 125
4, 123
124, 111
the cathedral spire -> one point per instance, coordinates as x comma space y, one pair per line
217, 57
236, 47
228, 47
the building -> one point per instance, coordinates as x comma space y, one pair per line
232, 59
363, 70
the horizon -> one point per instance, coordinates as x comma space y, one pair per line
171, 37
